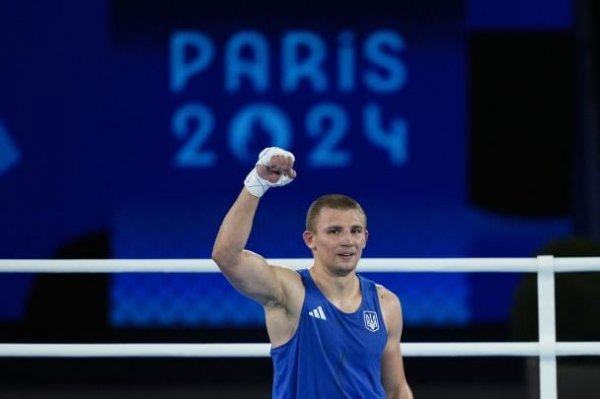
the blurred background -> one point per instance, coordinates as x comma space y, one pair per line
465, 128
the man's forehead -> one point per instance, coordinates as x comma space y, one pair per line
332, 216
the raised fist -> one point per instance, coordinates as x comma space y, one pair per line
275, 167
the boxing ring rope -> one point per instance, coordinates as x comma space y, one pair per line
547, 348
432, 349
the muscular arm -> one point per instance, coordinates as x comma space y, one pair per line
247, 271
392, 366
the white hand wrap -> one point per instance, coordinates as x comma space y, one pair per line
255, 184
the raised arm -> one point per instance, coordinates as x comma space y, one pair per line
247, 271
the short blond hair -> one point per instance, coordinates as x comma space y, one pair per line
331, 201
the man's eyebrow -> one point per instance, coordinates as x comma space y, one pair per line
338, 226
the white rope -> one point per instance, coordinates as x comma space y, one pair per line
366, 265
433, 349
589, 264
578, 348
134, 350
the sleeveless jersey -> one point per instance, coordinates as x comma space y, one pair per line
332, 354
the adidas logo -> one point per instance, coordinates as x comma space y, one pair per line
317, 313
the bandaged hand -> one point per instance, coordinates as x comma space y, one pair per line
273, 169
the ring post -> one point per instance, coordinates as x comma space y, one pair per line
547, 327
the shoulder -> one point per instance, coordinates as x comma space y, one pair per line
286, 274
391, 308
387, 298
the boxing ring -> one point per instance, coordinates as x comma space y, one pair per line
547, 349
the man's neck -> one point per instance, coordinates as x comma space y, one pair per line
342, 291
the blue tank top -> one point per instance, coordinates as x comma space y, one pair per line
332, 354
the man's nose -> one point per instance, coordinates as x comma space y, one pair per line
347, 239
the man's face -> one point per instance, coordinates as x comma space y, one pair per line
338, 239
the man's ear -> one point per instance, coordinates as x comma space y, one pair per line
309, 239
366, 237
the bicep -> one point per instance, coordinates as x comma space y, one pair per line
255, 278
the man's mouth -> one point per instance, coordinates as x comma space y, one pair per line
346, 254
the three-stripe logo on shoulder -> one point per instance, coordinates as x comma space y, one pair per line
317, 313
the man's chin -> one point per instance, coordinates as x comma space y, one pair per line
344, 268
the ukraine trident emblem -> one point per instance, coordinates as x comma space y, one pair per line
371, 322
